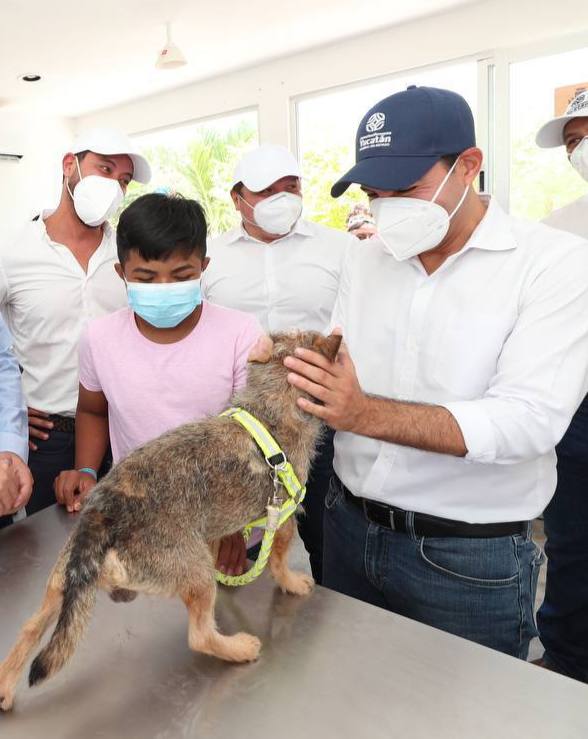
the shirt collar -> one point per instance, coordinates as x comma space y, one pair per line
494, 232
106, 233
301, 228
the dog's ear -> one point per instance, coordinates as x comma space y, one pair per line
262, 350
328, 346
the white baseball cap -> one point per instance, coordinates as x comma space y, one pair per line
551, 134
265, 165
110, 141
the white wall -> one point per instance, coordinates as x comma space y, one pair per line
478, 29
34, 182
472, 30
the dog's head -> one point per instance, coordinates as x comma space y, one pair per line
276, 347
267, 372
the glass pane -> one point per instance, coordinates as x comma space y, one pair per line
197, 160
327, 125
541, 180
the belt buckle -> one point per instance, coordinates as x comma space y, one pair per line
392, 525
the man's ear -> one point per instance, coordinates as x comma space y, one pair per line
262, 350
69, 165
235, 199
119, 271
328, 346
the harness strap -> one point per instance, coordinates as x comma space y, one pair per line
278, 512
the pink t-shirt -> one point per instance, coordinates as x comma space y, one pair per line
152, 388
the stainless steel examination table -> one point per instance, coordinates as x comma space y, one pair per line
330, 667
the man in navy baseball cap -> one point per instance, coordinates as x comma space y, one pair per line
465, 357
404, 135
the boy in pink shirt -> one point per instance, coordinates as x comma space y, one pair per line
165, 360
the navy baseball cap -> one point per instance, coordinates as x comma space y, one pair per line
404, 135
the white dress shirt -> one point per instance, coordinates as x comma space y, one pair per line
498, 335
289, 283
572, 218
47, 299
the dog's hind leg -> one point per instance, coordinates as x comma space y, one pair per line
296, 583
30, 635
203, 635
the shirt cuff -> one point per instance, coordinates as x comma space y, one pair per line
15, 444
477, 430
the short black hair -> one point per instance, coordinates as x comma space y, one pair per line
450, 159
156, 225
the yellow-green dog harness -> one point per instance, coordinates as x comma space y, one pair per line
278, 510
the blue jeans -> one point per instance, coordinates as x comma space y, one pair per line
53, 455
563, 617
480, 589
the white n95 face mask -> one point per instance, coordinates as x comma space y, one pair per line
411, 226
95, 198
579, 158
278, 213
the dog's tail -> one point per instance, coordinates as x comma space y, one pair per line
88, 548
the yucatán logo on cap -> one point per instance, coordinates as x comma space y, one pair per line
375, 136
375, 122
578, 103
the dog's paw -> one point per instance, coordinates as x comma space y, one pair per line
297, 583
6, 699
244, 647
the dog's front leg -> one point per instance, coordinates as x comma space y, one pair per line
296, 583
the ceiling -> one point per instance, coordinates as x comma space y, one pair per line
93, 55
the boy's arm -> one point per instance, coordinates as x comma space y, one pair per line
73, 486
91, 429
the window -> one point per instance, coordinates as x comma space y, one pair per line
541, 180
327, 124
197, 160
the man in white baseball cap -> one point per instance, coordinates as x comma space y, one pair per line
570, 130
56, 275
563, 616
285, 270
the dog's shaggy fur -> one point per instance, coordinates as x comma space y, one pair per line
153, 524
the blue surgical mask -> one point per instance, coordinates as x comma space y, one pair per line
164, 305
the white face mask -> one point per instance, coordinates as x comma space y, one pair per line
95, 198
276, 214
579, 158
410, 226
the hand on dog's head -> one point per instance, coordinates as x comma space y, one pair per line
267, 377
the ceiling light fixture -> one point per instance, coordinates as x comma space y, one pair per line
30, 77
170, 57
10, 157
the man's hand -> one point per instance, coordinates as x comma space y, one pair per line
334, 384
232, 555
72, 488
38, 426
16, 483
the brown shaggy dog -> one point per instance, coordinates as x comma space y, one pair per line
150, 526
